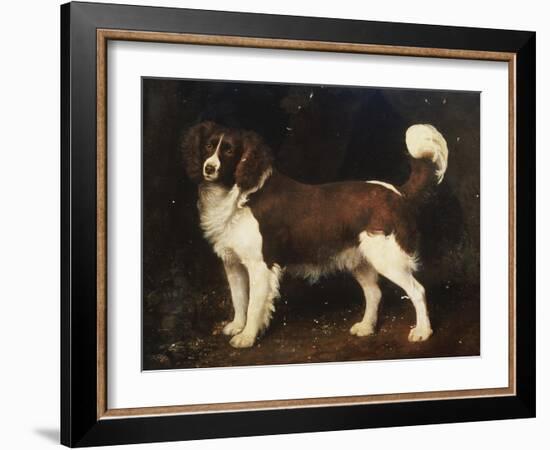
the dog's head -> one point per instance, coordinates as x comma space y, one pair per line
216, 154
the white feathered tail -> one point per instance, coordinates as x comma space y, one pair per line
429, 149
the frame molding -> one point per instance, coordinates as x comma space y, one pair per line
105, 35
86, 29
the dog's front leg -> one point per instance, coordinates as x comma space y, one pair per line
237, 278
259, 277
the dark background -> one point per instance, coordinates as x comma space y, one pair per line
318, 134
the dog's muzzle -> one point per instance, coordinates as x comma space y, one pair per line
209, 169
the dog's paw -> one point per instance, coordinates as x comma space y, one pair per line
362, 329
232, 328
419, 334
242, 340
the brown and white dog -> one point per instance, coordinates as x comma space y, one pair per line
261, 223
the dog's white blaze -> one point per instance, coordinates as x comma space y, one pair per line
389, 186
214, 160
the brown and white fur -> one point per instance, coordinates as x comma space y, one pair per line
262, 223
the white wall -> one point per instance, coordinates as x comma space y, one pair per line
29, 242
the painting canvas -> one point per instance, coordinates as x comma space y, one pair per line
294, 223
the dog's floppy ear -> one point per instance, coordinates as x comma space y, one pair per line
191, 149
255, 161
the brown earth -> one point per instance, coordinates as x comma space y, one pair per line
318, 331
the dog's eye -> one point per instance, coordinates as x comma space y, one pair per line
209, 146
228, 151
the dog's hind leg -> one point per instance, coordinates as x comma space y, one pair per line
367, 277
237, 278
391, 261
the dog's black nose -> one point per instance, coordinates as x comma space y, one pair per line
209, 169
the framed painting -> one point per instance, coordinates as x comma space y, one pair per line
276, 224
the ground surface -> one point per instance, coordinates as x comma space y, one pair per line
315, 329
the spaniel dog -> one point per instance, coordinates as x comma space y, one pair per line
262, 223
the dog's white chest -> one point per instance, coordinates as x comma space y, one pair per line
230, 227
